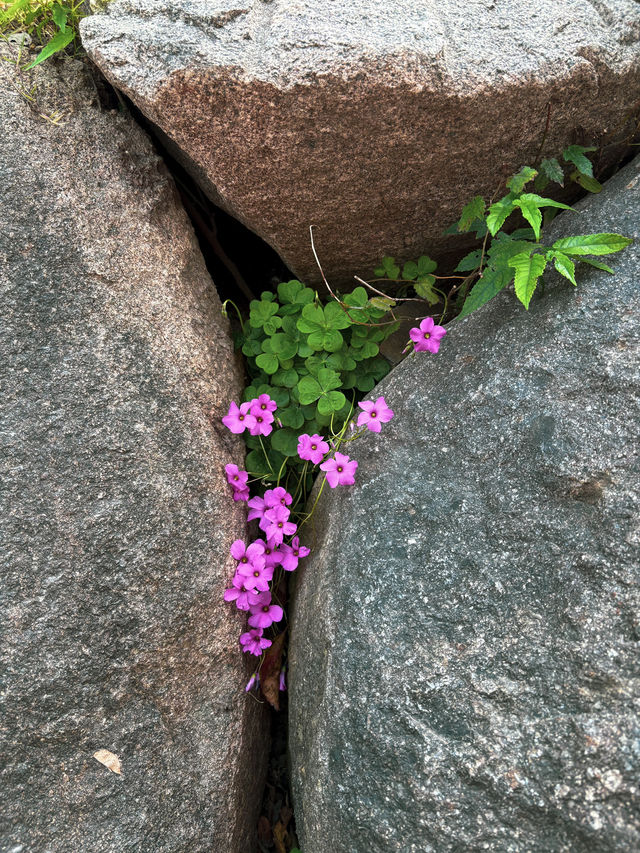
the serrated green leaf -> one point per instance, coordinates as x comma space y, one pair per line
57, 43
553, 170
531, 213
530, 204
424, 288
504, 247
268, 362
498, 212
490, 284
592, 244
575, 154
597, 265
470, 212
564, 265
516, 183
528, 269
521, 234
470, 261
285, 441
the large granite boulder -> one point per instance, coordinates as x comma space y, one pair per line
115, 522
375, 121
464, 660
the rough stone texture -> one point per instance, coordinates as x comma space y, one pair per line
114, 517
464, 667
375, 121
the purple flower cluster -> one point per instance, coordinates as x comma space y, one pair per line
253, 581
256, 416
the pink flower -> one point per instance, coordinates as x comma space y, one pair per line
256, 576
275, 524
282, 684
256, 508
340, 471
292, 553
272, 553
277, 497
264, 403
263, 613
254, 681
264, 421
238, 419
239, 592
248, 555
237, 479
428, 337
312, 447
374, 414
253, 641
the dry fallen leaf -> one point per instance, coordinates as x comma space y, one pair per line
270, 672
109, 760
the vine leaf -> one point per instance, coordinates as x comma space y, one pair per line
592, 244
498, 212
564, 265
528, 269
491, 283
470, 212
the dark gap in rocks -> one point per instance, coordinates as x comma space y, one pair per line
240, 263
241, 266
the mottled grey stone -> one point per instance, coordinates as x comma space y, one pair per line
115, 520
374, 121
464, 667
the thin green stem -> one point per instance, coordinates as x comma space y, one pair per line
315, 504
265, 453
237, 310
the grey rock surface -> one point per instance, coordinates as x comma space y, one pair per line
115, 519
464, 669
374, 121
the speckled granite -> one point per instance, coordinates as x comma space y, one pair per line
115, 517
464, 661
374, 121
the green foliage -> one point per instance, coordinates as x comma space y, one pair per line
519, 256
516, 256
316, 361
51, 24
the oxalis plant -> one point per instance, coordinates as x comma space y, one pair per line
311, 363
